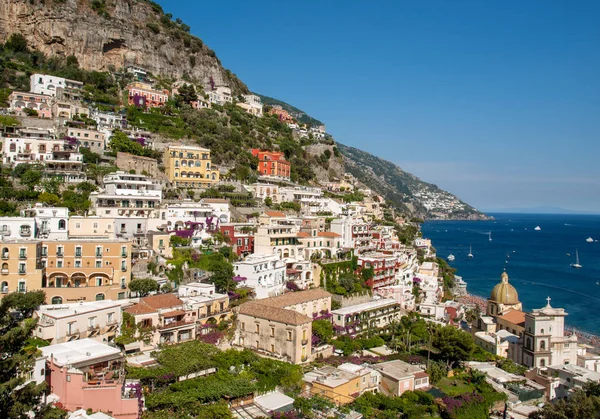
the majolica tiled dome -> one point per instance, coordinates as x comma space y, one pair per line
504, 293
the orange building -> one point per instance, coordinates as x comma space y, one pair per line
143, 95
272, 163
282, 114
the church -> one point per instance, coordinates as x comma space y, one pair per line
534, 339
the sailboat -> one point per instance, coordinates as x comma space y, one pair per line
451, 257
490, 235
470, 255
537, 228
576, 265
589, 240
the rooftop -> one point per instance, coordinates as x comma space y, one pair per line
371, 305
59, 311
329, 376
273, 401
292, 298
277, 314
83, 351
398, 370
154, 303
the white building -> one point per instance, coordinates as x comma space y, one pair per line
98, 320
253, 104
44, 84
107, 120
17, 228
220, 95
89, 138
128, 195
52, 222
367, 316
265, 274
355, 233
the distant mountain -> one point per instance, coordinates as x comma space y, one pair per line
299, 114
541, 210
404, 190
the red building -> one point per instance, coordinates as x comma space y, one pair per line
272, 163
242, 237
385, 267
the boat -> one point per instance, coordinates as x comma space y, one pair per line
490, 235
537, 228
470, 255
576, 265
451, 257
589, 240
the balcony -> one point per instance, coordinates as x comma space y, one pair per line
4, 290
4, 271
22, 272
25, 233
176, 325
73, 331
124, 254
5, 256
22, 256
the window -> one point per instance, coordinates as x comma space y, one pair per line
92, 321
272, 348
99, 252
243, 326
98, 281
22, 253
78, 251
98, 264
21, 268
57, 300
78, 264
22, 287
123, 265
109, 318
272, 332
62, 224
121, 296
59, 251
99, 297
257, 328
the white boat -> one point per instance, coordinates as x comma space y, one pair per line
451, 257
589, 240
576, 265
470, 255
537, 228
490, 235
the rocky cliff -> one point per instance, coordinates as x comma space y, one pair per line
112, 35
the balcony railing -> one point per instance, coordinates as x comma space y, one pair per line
4, 271
22, 256
5, 256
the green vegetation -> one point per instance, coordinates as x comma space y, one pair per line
143, 286
412, 404
17, 355
298, 114
583, 403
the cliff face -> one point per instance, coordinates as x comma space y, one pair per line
120, 33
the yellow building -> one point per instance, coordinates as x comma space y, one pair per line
190, 167
339, 386
21, 266
85, 269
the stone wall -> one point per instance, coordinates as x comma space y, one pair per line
128, 162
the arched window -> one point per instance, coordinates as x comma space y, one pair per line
99, 297
543, 345
57, 300
542, 331
4, 287
198, 164
542, 362
62, 224
4, 267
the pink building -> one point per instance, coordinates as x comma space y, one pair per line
86, 374
42, 104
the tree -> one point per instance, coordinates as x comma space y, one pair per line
143, 286
16, 327
268, 202
453, 344
49, 199
89, 156
323, 330
52, 185
16, 43
187, 93
31, 178
580, 404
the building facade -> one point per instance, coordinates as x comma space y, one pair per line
272, 164
187, 166
265, 274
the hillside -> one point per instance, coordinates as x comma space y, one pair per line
110, 35
299, 114
404, 190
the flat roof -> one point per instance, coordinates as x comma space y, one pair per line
398, 370
79, 351
371, 305
59, 311
273, 401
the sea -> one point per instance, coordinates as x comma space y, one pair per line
536, 261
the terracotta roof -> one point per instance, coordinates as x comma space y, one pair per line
303, 234
153, 303
276, 314
328, 234
292, 298
275, 214
514, 317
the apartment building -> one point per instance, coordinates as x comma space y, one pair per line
144, 96
21, 266
220, 95
320, 244
91, 139
207, 306
88, 269
91, 374
342, 385
190, 167
241, 236
355, 234
45, 84
385, 267
126, 194
98, 320
42, 104
29, 145
265, 274
163, 319
372, 315
17, 228
252, 105
277, 332
279, 238
272, 164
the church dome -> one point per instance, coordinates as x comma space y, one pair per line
504, 293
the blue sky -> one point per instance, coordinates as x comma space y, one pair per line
497, 102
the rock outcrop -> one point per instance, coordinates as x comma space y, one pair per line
113, 36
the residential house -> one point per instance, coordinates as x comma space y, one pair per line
272, 164
560, 380
98, 320
145, 96
241, 236
398, 377
385, 268
281, 114
91, 139
49, 85
208, 307
42, 104
163, 320
90, 374
21, 265
342, 385
265, 274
